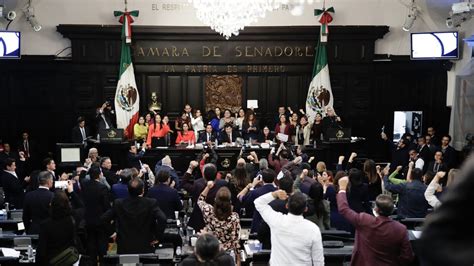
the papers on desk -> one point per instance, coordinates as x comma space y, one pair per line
282, 137
21, 226
10, 252
265, 145
252, 246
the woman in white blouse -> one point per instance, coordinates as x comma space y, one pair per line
197, 122
240, 118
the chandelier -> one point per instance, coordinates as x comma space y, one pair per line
228, 17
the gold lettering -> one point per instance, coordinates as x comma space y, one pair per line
151, 52
170, 68
141, 52
288, 51
185, 52
298, 51
174, 51
270, 68
186, 68
309, 51
239, 52
165, 52
206, 51
268, 52
258, 51
205, 69
280, 51
247, 52
264, 68
231, 68
215, 54
249, 68
255, 69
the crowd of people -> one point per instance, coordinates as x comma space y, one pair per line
289, 201
223, 126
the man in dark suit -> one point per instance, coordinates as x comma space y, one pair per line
411, 195
438, 164
449, 153
247, 198
36, 205
207, 136
433, 148
379, 240
29, 149
434, 138
167, 197
140, 221
424, 151
228, 136
12, 184
96, 203
7, 153
80, 132
196, 220
106, 168
134, 157
105, 117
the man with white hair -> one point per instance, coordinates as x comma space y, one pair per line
166, 165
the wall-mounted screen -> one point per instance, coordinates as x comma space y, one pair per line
10, 44
435, 45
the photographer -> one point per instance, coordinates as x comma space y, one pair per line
105, 117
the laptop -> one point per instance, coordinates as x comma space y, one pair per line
338, 135
111, 135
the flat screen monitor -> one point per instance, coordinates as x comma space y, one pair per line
435, 45
407, 122
10, 44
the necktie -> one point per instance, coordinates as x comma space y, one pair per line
230, 137
436, 167
27, 149
83, 133
208, 137
105, 121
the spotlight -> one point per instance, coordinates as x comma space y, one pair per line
11, 15
410, 19
30, 17
455, 20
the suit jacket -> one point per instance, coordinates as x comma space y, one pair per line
111, 177
203, 137
55, 235
13, 188
167, 198
76, 135
425, 154
36, 209
248, 203
109, 117
95, 196
330, 122
139, 222
436, 168
133, 160
225, 138
378, 240
411, 198
449, 157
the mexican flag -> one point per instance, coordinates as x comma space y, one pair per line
127, 100
319, 92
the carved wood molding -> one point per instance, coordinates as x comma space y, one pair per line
223, 91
